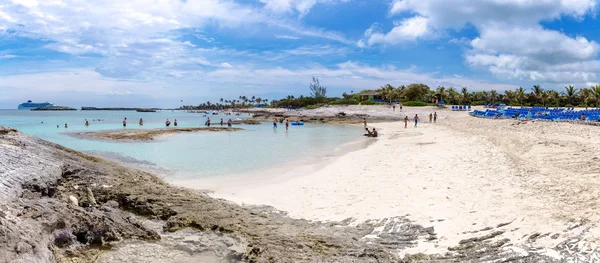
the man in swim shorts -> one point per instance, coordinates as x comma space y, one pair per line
416, 118
125, 122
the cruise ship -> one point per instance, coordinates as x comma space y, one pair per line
29, 105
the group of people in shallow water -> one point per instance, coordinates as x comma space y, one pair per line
167, 122
287, 123
229, 122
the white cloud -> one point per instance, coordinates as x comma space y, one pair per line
80, 27
409, 29
318, 50
7, 56
301, 7
287, 37
512, 44
226, 65
458, 13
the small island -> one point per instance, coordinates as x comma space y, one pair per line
146, 135
54, 108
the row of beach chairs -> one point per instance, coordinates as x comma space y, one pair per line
541, 113
461, 108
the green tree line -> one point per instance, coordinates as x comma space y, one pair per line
416, 93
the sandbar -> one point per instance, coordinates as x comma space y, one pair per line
147, 135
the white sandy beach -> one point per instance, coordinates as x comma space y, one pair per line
462, 174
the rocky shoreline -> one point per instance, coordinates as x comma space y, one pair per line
60, 205
54, 108
146, 135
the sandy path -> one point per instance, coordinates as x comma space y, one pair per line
461, 175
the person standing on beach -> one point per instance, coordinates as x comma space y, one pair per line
405, 121
434, 117
394, 107
416, 118
430, 117
221, 121
365, 122
125, 122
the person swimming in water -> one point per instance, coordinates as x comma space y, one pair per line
229, 123
175, 123
207, 122
287, 124
141, 121
167, 123
125, 122
274, 123
221, 121
66, 126
87, 123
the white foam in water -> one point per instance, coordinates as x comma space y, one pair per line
188, 155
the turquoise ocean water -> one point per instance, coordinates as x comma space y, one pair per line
187, 155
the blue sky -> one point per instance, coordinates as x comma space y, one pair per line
156, 53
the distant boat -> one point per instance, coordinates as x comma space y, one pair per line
29, 105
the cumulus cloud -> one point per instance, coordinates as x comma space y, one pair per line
409, 29
458, 13
301, 7
511, 43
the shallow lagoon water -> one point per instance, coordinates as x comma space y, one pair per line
187, 155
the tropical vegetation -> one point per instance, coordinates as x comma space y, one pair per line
419, 94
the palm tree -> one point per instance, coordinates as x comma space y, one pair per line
537, 92
400, 91
452, 95
387, 91
555, 97
464, 95
493, 96
509, 96
586, 95
441, 90
520, 93
596, 94
570, 92
258, 100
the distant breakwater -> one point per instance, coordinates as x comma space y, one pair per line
53, 108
